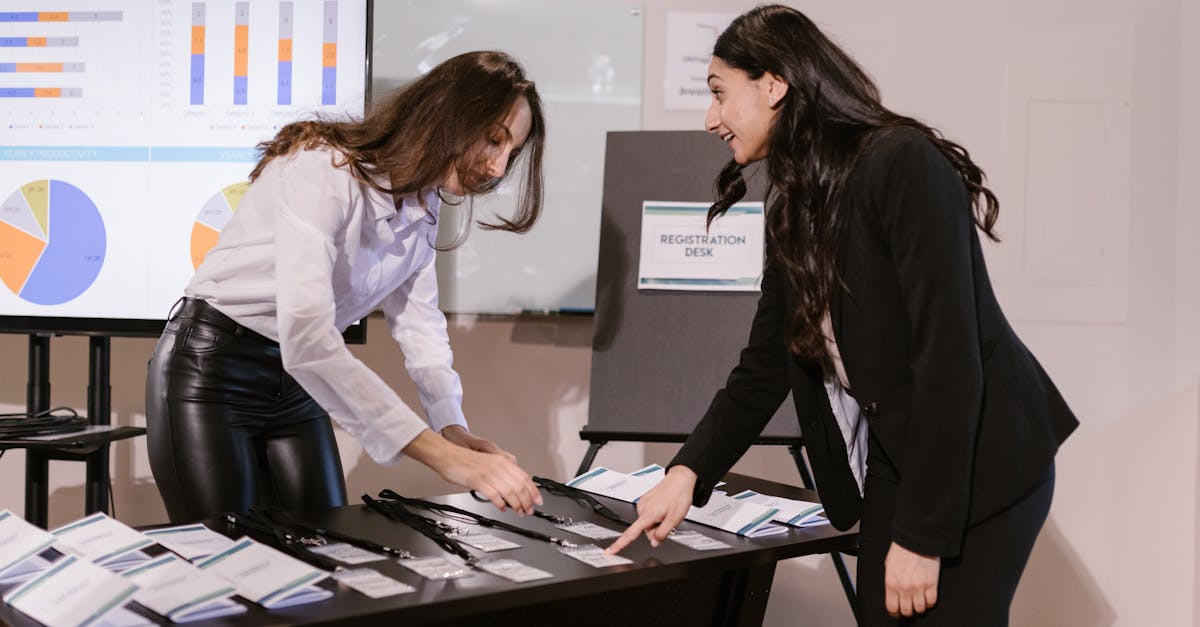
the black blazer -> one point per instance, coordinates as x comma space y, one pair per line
962, 409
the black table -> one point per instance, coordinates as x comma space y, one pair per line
89, 446
670, 585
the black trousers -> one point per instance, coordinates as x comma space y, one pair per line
975, 588
228, 428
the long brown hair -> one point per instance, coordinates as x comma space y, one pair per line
825, 121
422, 129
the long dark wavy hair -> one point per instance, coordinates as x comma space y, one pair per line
824, 122
422, 129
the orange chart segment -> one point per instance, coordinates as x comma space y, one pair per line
203, 239
212, 218
19, 253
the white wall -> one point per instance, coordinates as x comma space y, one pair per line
1122, 545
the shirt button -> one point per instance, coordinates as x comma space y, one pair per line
871, 409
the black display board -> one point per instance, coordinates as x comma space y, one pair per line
658, 356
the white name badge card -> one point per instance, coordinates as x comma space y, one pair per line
101, 539
73, 591
594, 556
174, 588
697, 541
730, 514
19, 541
613, 484
679, 251
485, 542
372, 583
791, 512
266, 576
589, 530
347, 553
513, 570
435, 568
190, 542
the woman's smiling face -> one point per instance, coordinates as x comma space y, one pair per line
743, 109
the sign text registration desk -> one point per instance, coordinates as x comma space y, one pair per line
670, 585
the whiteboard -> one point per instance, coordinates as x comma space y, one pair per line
586, 58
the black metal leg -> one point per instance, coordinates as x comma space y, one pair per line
838, 563
99, 413
37, 487
589, 457
802, 466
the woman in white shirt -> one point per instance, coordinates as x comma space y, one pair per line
340, 220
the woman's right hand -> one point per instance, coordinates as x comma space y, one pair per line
660, 510
493, 476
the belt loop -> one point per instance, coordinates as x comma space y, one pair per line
176, 308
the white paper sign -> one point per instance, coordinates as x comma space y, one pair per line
102, 540
19, 541
689, 43
172, 587
190, 542
266, 576
73, 591
678, 252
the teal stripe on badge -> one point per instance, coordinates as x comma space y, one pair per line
757, 521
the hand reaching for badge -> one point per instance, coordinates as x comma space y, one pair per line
470, 462
456, 434
660, 510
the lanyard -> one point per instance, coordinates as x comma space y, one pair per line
580, 497
286, 541
463, 515
288, 519
435, 530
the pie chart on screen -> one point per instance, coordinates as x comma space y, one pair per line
213, 217
52, 242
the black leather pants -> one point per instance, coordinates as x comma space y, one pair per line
228, 429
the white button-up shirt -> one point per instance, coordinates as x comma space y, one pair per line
312, 250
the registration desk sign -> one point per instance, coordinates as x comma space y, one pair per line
679, 253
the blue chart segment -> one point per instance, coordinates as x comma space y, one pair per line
72, 244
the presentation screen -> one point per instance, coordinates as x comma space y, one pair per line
128, 132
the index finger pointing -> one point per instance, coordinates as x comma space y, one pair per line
630, 535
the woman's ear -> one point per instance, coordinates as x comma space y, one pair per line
776, 87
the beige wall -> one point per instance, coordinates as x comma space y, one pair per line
1122, 545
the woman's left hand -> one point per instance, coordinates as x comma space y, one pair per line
910, 581
456, 434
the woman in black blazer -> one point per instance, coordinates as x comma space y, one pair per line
877, 314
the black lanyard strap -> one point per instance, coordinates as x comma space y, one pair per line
580, 497
436, 531
284, 540
479, 519
290, 520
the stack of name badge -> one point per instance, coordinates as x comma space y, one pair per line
265, 575
745, 518
85, 572
72, 590
791, 512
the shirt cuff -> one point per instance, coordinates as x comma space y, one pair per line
445, 413
396, 430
